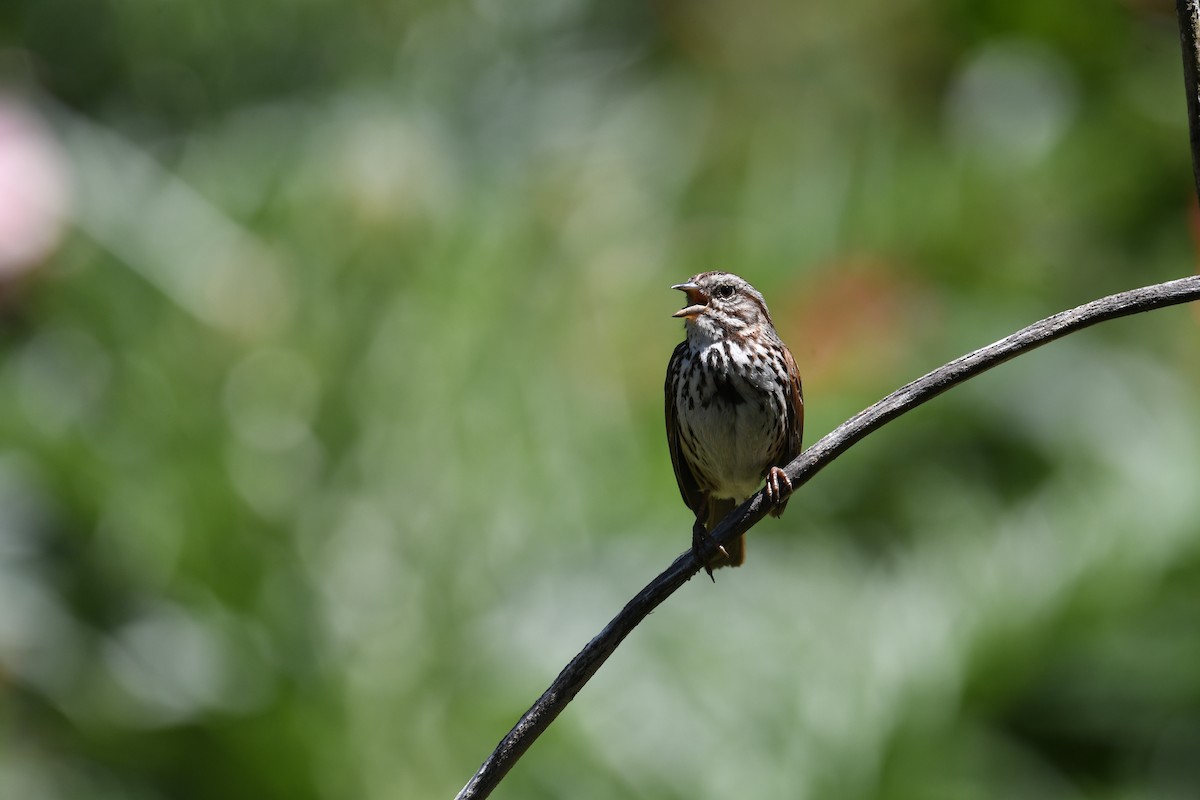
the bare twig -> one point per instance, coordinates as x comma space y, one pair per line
814, 459
809, 463
1188, 12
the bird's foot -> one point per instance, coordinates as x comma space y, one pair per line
779, 488
702, 541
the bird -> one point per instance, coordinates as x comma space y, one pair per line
734, 407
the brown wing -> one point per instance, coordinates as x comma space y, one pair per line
793, 425
795, 419
689, 489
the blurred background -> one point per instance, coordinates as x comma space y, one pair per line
332, 338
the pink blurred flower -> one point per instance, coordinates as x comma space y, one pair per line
34, 189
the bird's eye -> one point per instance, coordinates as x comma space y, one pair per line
725, 291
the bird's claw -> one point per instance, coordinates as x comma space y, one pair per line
702, 541
779, 486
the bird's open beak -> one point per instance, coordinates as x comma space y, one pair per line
697, 300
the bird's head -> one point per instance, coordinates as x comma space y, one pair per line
723, 301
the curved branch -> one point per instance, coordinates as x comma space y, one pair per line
1188, 12
807, 464
814, 459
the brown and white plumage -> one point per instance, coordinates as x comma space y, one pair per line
734, 405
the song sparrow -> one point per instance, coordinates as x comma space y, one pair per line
735, 408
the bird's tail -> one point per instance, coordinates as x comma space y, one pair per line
717, 511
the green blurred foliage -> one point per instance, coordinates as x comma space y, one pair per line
330, 412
